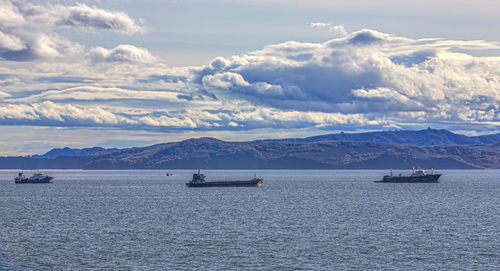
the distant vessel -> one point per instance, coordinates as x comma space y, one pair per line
417, 176
37, 177
169, 174
199, 181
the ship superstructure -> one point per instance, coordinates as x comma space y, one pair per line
37, 177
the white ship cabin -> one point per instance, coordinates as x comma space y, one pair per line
421, 172
418, 172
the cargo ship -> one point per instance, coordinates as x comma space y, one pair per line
37, 177
199, 181
417, 176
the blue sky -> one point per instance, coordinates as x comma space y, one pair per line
134, 73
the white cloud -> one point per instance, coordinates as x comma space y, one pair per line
29, 31
364, 80
226, 80
11, 42
332, 28
9, 14
121, 53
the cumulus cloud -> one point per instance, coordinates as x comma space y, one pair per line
366, 72
364, 80
121, 53
28, 30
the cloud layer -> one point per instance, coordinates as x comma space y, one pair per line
365, 80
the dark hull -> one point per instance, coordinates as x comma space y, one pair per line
410, 179
36, 181
251, 183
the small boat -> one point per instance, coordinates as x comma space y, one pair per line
199, 181
169, 174
37, 177
417, 176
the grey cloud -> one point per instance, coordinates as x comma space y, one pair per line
93, 17
20, 55
364, 37
165, 78
366, 72
413, 58
45, 15
367, 37
66, 79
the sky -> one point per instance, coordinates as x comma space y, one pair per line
123, 73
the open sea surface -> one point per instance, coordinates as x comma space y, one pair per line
299, 220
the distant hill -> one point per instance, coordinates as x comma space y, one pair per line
69, 152
217, 154
429, 148
427, 137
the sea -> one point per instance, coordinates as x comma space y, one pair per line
299, 220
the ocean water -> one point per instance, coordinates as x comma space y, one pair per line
299, 220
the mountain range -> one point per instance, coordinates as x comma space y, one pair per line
375, 150
427, 137
73, 152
